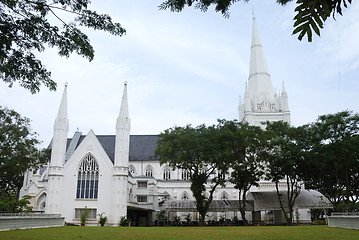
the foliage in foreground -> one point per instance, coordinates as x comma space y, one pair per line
329, 146
125, 222
284, 156
246, 161
14, 205
18, 153
311, 15
195, 233
103, 219
201, 152
26, 29
332, 144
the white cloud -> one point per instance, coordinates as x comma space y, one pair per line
190, 67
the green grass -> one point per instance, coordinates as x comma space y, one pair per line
174, 233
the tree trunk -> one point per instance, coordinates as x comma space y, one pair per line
203, 217
289, 223
242, 207
290, 218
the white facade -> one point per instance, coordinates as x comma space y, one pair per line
118, 175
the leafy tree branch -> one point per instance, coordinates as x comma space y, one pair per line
25, 29
310, 14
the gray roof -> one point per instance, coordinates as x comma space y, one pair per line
306, 199
215, 206
142, 147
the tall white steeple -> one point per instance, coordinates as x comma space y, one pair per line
261, 104
58, 153
120, 169
123, 127
259, 80
61, 128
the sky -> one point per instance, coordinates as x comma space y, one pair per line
191, 68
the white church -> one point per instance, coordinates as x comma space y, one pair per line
118, 175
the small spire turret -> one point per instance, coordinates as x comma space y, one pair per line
283, 88
284, 99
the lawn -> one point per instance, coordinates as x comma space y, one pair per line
174, 233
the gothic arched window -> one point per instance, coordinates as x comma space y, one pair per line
185, 174
87, 180
167, 174
149, 172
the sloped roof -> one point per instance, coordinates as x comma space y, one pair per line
306, 199
215, 206
142, 147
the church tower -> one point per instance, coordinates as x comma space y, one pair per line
120, 170
58, 152
261, 103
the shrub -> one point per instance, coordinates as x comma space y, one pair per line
125, 222
84, 216
102, 220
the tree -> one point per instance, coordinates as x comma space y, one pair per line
247, 167
334, 152
311, 15
284, 157
14, 205
201, 151
25, 28
18, 153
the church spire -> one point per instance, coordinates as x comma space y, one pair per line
124, 104
61, 127
58, 153
63, 105
120, 169
259, 81
123, 127
261, 102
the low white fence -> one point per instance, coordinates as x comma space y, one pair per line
344, 220
20, 221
